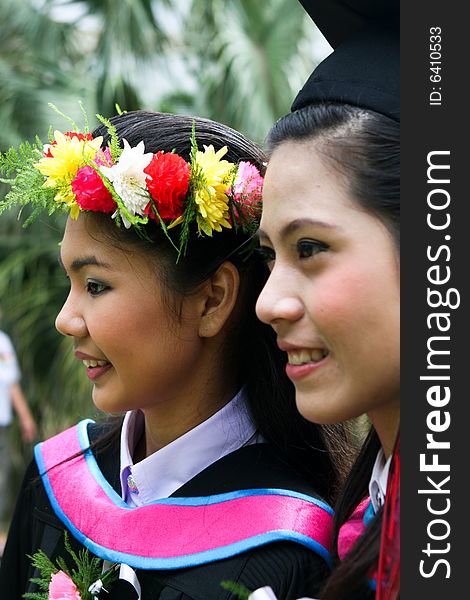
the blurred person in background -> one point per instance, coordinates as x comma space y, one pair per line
11, 399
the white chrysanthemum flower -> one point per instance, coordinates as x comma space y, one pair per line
128, 178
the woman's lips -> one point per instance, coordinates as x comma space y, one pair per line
303, 362
95, 367
95, 372
297, 372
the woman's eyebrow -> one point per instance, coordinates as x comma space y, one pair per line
306, 221
79, 263
293, 226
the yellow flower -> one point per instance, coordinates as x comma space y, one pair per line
210, 196
66, 195
65, 156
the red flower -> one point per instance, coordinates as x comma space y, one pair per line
81, 136
168, 184
70, 134
91, 193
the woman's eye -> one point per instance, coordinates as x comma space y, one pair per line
266, 254
95, 288
308, 248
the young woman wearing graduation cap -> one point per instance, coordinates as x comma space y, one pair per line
330, 235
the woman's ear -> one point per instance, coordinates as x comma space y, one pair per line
219, 298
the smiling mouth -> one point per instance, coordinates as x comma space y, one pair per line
302, 357
91, 364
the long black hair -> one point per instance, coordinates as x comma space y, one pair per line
321, 453
363, 146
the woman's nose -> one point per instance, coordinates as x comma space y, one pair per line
278, 301
70, 321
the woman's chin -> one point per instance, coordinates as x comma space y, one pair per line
107, 404
318, 407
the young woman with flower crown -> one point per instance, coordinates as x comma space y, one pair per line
211, 475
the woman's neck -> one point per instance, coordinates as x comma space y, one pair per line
386, 421
168, 421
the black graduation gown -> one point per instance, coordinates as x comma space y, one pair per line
291, 569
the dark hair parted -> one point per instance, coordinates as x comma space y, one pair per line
362, 145
364, 149
318, 452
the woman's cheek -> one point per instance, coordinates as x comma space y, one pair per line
339, 299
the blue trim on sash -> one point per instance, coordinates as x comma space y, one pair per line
372, 583
181, 501
190, 560
369, 514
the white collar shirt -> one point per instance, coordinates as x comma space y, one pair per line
378, 480
166, 470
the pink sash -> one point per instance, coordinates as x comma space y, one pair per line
352, 529
173, 532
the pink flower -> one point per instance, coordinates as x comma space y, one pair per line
103, 158
248, 184
62, 588
91, 193
247, 190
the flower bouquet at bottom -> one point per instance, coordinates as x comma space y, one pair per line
57, 581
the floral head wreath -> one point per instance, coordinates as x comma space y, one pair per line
76, 173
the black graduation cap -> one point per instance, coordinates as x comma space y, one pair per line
364, 67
